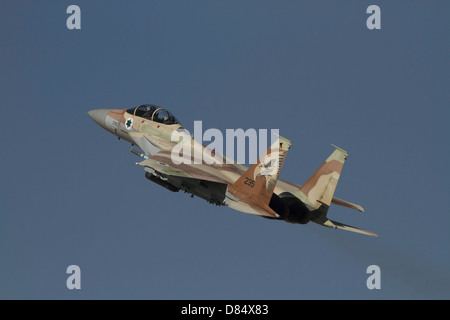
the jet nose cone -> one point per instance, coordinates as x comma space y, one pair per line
99, 115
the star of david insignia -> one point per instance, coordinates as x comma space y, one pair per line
129, 123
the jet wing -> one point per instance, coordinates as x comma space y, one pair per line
162, 162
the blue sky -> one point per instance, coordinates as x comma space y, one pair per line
72, 194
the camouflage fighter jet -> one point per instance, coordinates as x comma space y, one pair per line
256, 190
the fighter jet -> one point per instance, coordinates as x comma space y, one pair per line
255, 189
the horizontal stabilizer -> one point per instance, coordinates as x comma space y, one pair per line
348, 204
337, 225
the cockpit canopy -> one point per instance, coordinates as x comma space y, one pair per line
154, 113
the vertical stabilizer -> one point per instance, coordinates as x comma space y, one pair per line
255, 187
320, 187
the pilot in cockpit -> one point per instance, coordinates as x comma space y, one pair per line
154, 113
